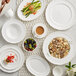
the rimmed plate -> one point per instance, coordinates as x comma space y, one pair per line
13, 31
31, 17
53, 59
18, 61
60, 14
37, 66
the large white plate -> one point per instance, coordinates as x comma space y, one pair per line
13, 31
60, 14
31, 17
19, 56
37, 66
53, 59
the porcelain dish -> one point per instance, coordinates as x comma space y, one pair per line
31, 17
60, 14
13, 31
52, 59
37, 66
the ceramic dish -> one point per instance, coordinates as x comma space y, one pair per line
37, 66
29, 45
19, 56
13, 31
52, 59
60, 14
31, 17
34, 30
58, 71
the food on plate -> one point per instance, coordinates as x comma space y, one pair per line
30, 44
59, 47
31, 8
9, 59
39, 30
3, 3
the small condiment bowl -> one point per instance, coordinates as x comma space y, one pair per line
58, 71
24, 42
35, 33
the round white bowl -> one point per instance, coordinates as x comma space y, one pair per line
53, 59
13, 31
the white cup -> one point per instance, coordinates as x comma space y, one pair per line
34, 30
58, 71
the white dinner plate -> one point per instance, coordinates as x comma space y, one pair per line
60, 14
18, 60
13, 31
52, 59
37, 66
31, 17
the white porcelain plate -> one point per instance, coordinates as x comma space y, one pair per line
60, 14
37, 66
8, 50
13, 31
53, 59
31, 17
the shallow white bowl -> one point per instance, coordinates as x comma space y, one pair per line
53, 59
31, 17
13, 31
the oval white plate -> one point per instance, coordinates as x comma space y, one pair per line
37, 66
60, 14
53, 59
6, 50
13, 31
31, 17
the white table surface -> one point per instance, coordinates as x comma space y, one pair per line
71, 32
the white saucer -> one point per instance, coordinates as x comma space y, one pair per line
31, 17
37, 66
13, 31
60, 14
19, 56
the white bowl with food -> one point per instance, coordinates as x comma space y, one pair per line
58, 48
39, 30
30, 9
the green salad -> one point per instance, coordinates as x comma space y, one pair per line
31, 8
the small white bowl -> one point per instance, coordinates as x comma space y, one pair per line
58, 71
34, 30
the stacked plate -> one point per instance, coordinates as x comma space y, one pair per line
18, 60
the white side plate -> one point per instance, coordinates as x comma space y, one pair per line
37, 66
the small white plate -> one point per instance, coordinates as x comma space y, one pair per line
37, 66
52, 59
31, 17
13, 31
19, 56
60, 14
34, 30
